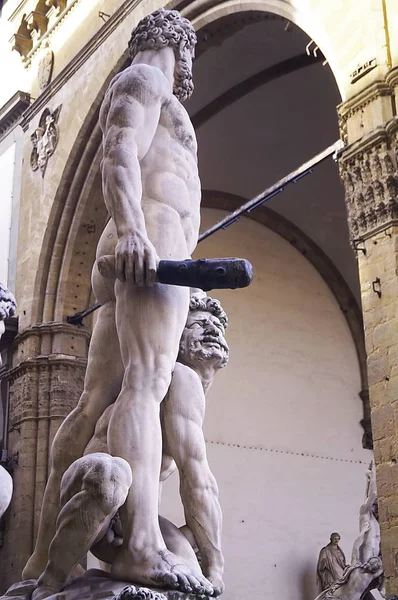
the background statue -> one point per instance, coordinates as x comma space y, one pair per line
331, 562
95, 486
152, 191
7, 309
366, 571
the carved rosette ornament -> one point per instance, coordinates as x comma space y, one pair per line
45, 139
369, 171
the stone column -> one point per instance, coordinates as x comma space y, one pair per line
369, 170
45, 383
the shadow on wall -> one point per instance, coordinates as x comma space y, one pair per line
307, 586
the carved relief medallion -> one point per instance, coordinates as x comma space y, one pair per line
44, 139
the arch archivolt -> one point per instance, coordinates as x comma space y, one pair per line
99, 68
202, 15
77, 213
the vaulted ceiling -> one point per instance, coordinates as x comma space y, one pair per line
262, 107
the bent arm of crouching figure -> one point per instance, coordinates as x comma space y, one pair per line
92, 490
184, 441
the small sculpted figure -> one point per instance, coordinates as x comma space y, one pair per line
95, 487
331, 562
7, 309
44, 139
152, 191
366, 571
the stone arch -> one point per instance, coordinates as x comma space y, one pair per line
202, 14
82, 164
59, 277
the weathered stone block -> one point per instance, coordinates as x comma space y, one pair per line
378, 367
383, 423
387, 481
392, 390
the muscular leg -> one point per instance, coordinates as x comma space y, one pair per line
149, 322
101, 386
92, 490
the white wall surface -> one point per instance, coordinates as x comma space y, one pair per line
7, 162
282, 424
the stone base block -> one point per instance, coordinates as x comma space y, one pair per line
97, 585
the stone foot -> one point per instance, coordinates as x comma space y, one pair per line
160, 568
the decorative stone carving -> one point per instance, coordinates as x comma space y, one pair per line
45, 139
37, 22
59, 5
366, 571
45, 68
21, 41
369, 172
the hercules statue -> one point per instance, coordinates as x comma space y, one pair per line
152, 191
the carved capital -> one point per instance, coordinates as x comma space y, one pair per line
363, 113
369, 171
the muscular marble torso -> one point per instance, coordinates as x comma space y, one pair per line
168, 167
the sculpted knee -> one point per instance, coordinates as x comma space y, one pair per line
103, 478
121, 478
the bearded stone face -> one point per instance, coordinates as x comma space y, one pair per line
183, 81
203, 341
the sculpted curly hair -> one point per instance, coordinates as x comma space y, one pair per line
160, 29
7, 303
211, 305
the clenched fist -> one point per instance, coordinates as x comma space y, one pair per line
136, 261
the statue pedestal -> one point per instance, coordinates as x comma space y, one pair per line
97, 585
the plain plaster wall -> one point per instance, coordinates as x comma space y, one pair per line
7, 161
282, 423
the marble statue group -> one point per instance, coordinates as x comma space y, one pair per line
154, 351
355, 581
